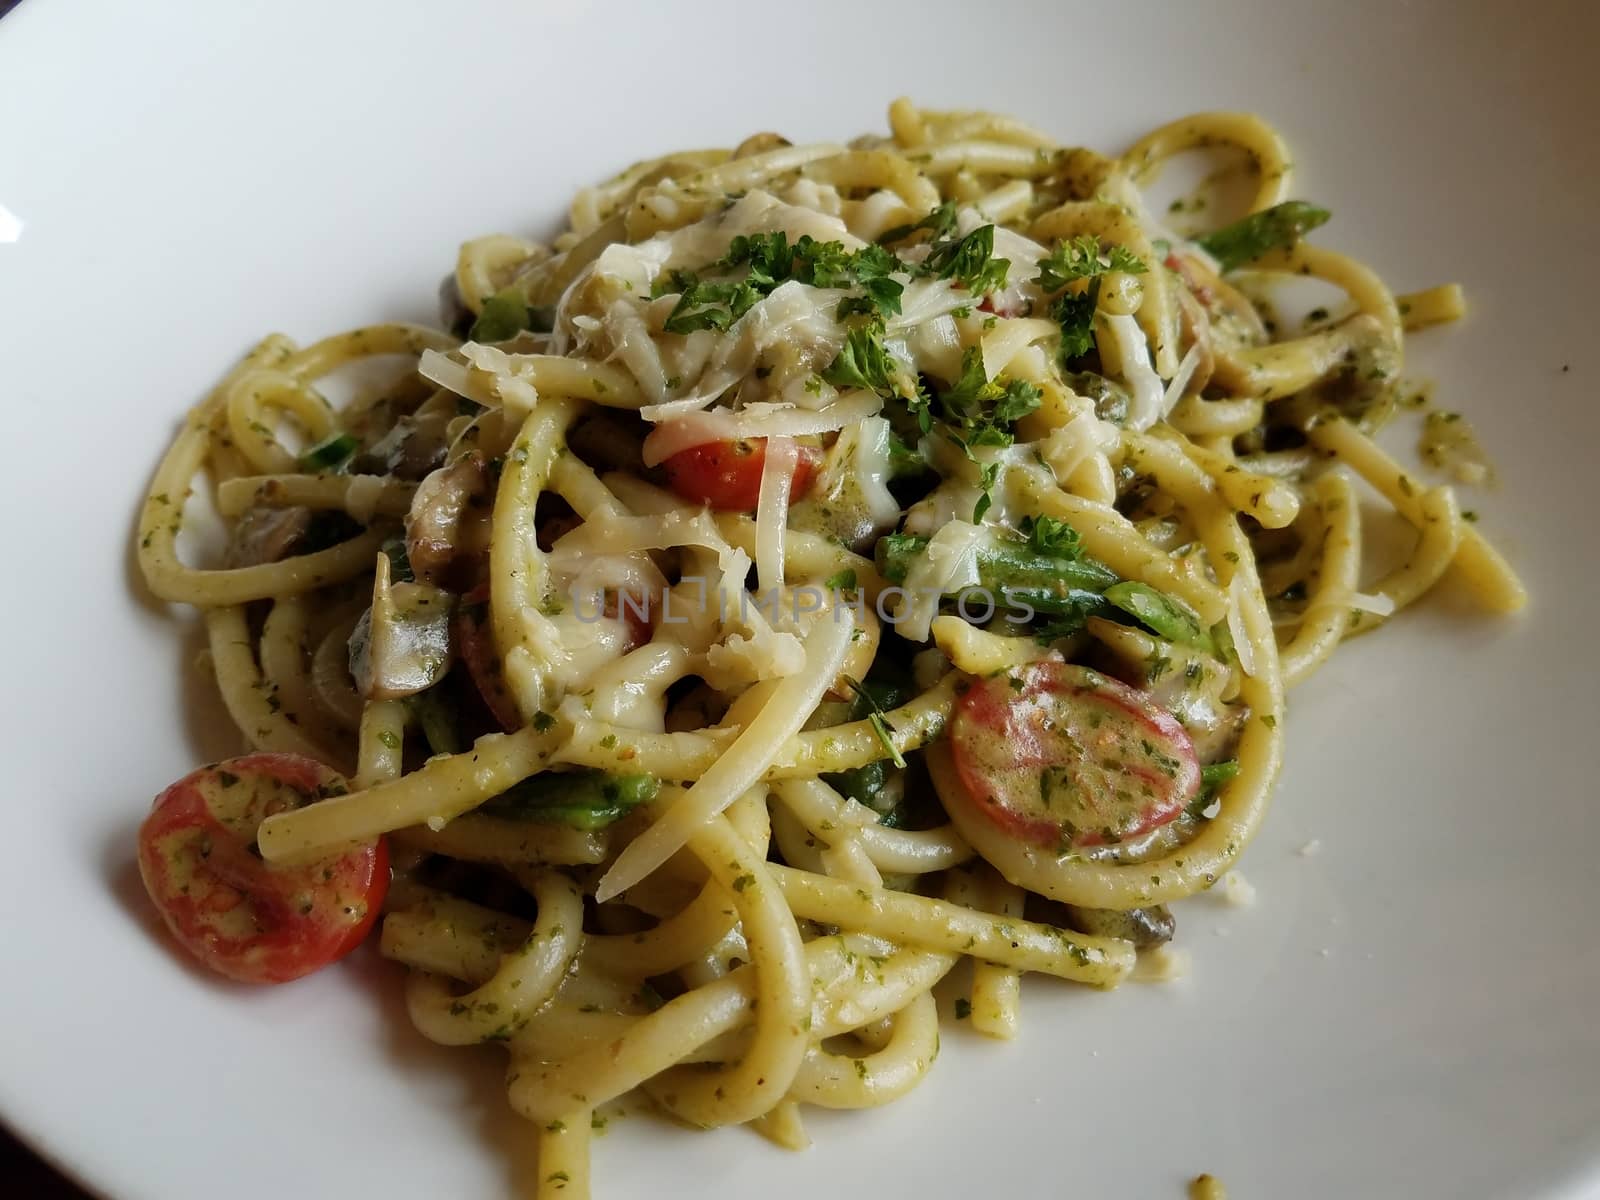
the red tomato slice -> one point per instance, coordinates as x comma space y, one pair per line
727, 474
1062, 756
241, 917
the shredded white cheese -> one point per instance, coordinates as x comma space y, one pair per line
772, 511
1237, 890
1180, 381
949, 564
1162, 964
362, 495
761, 420
1377, 604
1242, 645
788, 706
1126, 355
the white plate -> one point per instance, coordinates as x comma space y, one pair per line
1410, 1013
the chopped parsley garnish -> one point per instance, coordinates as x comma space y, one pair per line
844, 581
702, 304
969, 261
769, 260
862, 362
941, 223
876, 718
1212, 777
1075, 314
980, 405
979, 411
1047, 535
1080, 258
905, 459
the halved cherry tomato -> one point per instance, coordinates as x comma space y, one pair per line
1061, 756
727, 474
241, 917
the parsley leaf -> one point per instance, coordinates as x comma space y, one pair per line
1075, 315
770, 260
862, 362
1080, 258
1050, 536
981, 409
941, 222
875, 717
969, 261
769, 255
905, 460
1212, 777
989, 475
704, 305
844, 581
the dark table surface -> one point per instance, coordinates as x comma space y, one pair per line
25, 1175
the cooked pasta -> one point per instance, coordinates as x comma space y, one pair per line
817, 566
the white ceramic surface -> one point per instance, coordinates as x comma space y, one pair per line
1411, 1013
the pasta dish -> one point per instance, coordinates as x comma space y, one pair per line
819, 565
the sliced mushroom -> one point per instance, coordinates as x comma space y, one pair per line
610, 441
401, 644
442, 528
265, 535
415, 445
1141, 926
